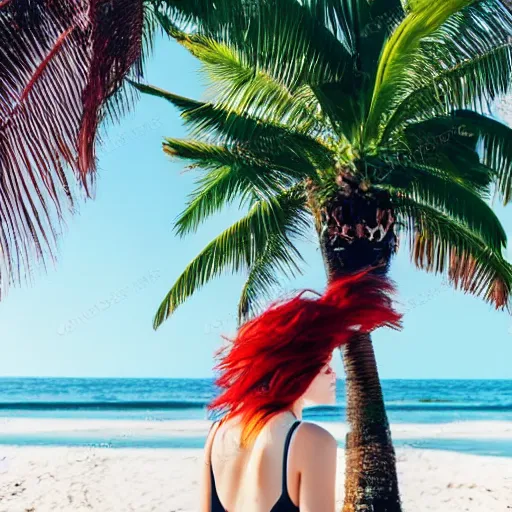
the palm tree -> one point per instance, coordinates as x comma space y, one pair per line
62, 66
366, 120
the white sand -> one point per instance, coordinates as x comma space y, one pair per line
60, 479
103, 479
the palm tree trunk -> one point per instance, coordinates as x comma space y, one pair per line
370, 474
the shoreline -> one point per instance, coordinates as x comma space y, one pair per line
196, 428
462, 437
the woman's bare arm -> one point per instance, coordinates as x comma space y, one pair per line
318, 456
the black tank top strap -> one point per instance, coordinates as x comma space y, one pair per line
285, 456
213, 429
216, 505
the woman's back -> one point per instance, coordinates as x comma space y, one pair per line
266, 476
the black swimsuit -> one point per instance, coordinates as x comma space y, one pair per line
283, 504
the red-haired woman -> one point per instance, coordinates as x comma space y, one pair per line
260, 456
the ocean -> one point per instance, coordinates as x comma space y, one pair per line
418, 402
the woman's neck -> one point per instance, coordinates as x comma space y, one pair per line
296, 409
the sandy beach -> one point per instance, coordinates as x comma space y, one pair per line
101, 478
166, 480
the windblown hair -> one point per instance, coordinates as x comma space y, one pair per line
276, 355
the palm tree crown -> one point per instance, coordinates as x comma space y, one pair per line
320, 107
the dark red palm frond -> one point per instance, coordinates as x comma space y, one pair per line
62, 63
116, 46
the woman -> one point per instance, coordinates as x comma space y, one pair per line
261, 456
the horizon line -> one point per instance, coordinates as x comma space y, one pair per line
212, 378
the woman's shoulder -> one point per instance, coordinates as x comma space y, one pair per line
315, 435
317, 451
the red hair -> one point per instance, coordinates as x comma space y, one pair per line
275, 356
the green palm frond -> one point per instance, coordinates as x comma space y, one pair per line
351, 21
445, 143
238, 247
279, 259
345, 18
362, 27
401, 49
238, 86
211, 16
385, 17
439, 243
459, 87
229, 174
439, 189
466, 63
271, 64
212, 156
294, 49
445, 46
496, 139
223, 126
461, 134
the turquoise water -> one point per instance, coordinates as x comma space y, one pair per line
407, 401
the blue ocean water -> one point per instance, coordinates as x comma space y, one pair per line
407, 401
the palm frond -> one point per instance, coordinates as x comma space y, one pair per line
439, 189
61, 66
223, 126
423, 47
357, 22
116, 46
279, 259
496, 140
460, 87
211, 17
385, 18
238, 247
363, 27
447, 143
346, 19
231, 174
439, 243
239, 85
295, 49
213, 156
269, 64
139, 30
466, 63
484, 142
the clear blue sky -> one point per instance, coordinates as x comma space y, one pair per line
92, 314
